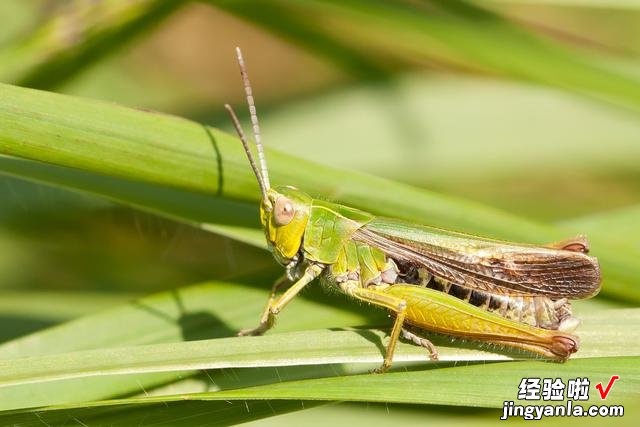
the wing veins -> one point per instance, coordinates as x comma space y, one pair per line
577, 278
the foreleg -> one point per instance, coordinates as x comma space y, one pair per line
274, 306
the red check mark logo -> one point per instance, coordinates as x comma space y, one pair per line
605, 392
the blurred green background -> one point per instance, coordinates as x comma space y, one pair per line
532, 107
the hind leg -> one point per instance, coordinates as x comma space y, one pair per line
397, 305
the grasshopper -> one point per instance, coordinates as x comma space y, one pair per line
510, 294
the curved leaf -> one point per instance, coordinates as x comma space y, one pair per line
600, 336
166, 151
476, 385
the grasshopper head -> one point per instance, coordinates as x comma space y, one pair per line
284, 213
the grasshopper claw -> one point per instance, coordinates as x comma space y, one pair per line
252, 332
380, 370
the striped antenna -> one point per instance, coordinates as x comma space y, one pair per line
254, 120
245, 144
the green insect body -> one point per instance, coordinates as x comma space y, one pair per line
366, 272
510, 294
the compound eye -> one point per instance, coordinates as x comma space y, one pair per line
283, 211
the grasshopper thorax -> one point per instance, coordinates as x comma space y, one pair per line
284, 213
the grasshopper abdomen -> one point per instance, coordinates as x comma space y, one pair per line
540, 311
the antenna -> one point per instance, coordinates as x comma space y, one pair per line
254, 119
245, 144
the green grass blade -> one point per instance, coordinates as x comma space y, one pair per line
228, 217
600, 337
57, 305
456, 32
198, 312
187, 414
481, 385
126, 144
77, 36
280, 349
23, 312
207, 310
297, 26
476, 385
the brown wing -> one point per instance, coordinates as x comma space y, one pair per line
498, 267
